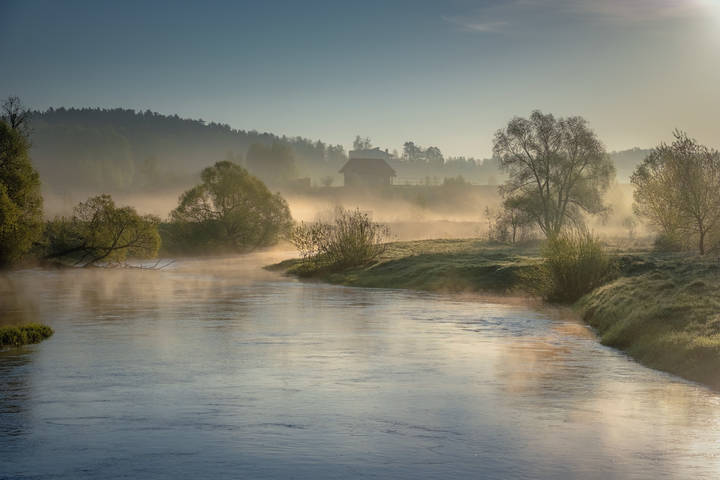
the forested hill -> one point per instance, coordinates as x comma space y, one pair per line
119, 149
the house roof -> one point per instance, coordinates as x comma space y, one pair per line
376, 166
369, 153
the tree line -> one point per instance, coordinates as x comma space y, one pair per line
229, 210
557, 174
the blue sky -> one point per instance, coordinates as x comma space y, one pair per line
440, 73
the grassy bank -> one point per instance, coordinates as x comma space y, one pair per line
663, 310
16, 335
434, 265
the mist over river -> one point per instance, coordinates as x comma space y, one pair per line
215, 368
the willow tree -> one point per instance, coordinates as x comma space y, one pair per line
558, 169
98, 231
677, 188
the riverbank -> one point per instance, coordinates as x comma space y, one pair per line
663, 310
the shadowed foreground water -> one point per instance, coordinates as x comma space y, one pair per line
217, 369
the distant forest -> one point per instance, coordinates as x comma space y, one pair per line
121, 150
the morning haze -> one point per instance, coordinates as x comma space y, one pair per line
405, 239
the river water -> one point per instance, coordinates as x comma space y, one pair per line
217, 369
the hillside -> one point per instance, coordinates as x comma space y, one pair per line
121, 150
124, 150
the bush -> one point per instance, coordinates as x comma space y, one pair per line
351, 239
668, 243
23, 334
574, 264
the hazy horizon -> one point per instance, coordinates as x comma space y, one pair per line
447, 75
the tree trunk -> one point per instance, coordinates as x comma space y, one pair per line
701, 242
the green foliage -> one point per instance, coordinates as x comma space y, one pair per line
677, 188
574, 263
351, 239
99, 231
14, 336
20, 199
230, 210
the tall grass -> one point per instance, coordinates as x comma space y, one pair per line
574, 263
14, 336
351, 239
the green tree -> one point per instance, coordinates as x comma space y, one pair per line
20, 198
98, 231
558, 169
677, 188
230, 210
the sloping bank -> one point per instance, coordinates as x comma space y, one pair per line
662, 310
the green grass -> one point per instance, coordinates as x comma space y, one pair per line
435, 265
664, 310
16, 335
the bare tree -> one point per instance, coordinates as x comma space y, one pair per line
558, 168
15, 114
677, 187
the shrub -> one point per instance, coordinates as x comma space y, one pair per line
351, 239
24, 334
574, 264
668, 243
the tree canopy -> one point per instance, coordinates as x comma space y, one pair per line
20, 198
98, 231
558, 169
230, 210
677, 188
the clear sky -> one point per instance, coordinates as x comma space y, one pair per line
445, 73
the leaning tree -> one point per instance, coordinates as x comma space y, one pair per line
100, 232
558, 169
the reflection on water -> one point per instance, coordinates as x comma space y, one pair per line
218, 369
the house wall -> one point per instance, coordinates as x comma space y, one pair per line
364, 180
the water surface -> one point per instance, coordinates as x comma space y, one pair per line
218, 369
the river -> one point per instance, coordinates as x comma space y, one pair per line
218, 369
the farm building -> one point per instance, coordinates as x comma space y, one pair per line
368, 168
